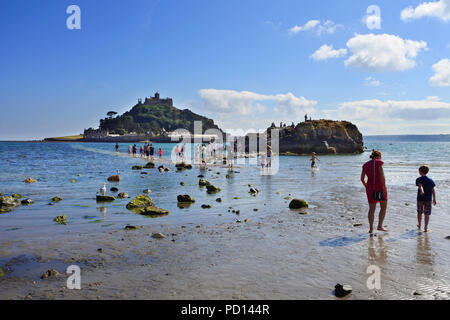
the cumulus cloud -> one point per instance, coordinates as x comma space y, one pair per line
441, 77
372, 82
437, 9
241, 109
383, 52
326, 52
431, 108
246, 102
326, 27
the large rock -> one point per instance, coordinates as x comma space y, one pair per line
102, 198
185, 198
140, 201
8, 203
27, 202
151, 211
212, 189
163, 168
183, 165
320, 136
149, 165
203, 183
298, 204
114, 178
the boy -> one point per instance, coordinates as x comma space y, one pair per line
425, 195
313, 160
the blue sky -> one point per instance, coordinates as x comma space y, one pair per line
242, 63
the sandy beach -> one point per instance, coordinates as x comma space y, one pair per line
276, 257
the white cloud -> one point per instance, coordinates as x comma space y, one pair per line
372, 82
437, 9
326, 52
374, 116
375, 110
326, 27
244, 109
441, 77
383, 52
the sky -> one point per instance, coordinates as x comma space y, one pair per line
383, 65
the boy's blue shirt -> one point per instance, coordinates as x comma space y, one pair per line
428, 185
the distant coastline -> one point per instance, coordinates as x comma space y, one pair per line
409, 138
371, 138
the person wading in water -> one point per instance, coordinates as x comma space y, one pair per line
375, 189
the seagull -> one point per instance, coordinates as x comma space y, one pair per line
103, 189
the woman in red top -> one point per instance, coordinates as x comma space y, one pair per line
375, 189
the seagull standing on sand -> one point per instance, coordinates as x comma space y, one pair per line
103, 189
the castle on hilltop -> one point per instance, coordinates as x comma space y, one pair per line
156, 100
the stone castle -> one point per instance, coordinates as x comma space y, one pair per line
156, 100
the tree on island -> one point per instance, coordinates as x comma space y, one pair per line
111, 114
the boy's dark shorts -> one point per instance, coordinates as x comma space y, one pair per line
424, 207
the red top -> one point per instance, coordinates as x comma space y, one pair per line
374, 182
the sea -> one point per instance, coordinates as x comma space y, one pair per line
337, 200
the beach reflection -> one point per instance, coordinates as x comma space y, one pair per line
377, 251
424, 253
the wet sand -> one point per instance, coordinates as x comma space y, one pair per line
283, 255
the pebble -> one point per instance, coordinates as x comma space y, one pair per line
50, 273
158, 236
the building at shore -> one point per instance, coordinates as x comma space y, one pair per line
95, 133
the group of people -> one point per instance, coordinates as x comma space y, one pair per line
145, 151
266, 160
376, 192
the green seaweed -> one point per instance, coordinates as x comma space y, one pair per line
140, 201
60, 219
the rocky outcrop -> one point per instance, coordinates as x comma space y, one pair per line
185, 198
8, 204
212, 189
203, 183
114, 178
140, 201
149, 165
320, 136
122, 195
105, 198
298, 204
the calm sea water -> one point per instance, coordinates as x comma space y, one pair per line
55, 165
307, 253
